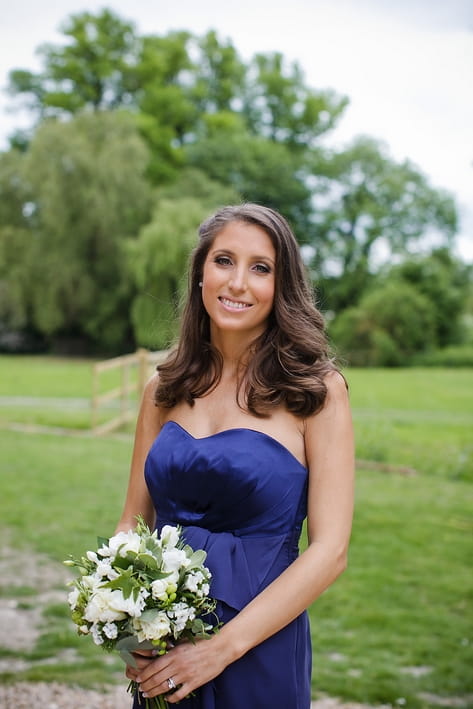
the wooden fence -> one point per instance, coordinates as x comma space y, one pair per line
134, 369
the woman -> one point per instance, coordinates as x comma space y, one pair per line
244, 430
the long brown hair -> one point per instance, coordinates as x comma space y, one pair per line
288, 361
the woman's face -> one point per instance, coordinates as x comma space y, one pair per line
238, 279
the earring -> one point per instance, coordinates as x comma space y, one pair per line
200, 284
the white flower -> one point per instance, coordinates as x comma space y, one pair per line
105, 570
73, 597
159, 589
193, 581
110, 630
100, 608
96, 636
152, 626
180, 613
169, 536
84, 629
174, 559
123, 542
128, 606
92, 556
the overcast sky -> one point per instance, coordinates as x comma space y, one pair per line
406, 66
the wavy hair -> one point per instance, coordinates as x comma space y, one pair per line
286, 365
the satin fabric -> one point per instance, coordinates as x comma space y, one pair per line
240, 495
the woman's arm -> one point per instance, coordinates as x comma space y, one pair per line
138, 501
330, 456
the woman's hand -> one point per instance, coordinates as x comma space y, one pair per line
187, 666
142, 660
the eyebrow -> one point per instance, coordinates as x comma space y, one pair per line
255, 257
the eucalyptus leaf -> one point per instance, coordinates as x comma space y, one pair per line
197, 558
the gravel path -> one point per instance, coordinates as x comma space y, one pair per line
59, 696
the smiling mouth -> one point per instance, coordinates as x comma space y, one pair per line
234, 304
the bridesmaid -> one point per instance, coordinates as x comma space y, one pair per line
251, 364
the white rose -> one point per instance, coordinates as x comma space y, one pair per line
152, 626
159, 589
174, 559
169, 536
123, 542
100, 607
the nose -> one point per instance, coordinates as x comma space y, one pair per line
237, 282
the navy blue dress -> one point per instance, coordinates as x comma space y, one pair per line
241, 496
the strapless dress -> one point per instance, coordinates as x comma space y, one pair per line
242, 496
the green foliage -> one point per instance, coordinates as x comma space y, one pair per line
157, 259
444, 280
367, 199
70, 277
259, 171
254, 127
452, 356
280, 106
391, 323
91, 70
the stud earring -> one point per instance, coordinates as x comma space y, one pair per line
200, 284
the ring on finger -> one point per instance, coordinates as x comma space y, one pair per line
171, 683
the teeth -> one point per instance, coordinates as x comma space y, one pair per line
234, 304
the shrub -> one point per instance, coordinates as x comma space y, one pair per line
392, 323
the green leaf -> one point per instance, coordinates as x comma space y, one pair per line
102, 541
125, 583
148, 561
197, 558
129, 644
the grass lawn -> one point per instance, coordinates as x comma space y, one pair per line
396, 628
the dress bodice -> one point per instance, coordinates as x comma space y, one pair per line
238, 494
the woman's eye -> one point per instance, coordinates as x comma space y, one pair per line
223, 260
261, 268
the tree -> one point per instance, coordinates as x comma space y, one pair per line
83, 205
444, 280
280, 106
93, 70
366, 201
157, 259
257, 170
391, 323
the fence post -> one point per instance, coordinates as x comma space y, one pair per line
142, 370
93, 401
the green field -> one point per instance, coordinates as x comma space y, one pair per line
395, 629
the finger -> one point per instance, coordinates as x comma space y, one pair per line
181, 692
159, 667
142, 663
163, 687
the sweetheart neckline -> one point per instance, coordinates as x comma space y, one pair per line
231, 430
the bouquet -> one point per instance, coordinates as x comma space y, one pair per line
141, 591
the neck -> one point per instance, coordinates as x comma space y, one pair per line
233, 346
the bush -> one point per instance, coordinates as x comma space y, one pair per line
392, 323
454, 356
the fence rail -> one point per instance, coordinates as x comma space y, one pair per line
135, 369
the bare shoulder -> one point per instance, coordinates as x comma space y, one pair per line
336, 406
150, 414
336, 384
